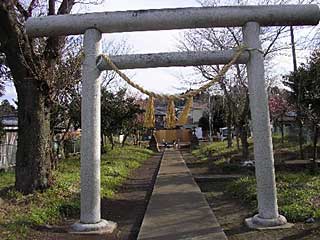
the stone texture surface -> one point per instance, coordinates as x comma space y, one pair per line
170, 59
263, 151
178, 18
177, 208
90, 125
264, 224
101, 227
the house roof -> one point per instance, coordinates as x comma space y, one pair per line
9, 120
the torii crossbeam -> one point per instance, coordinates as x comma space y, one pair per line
92, 25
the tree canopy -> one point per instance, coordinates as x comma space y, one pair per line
119, 113
304, 93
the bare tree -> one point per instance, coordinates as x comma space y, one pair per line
119, 47
234, 84
66, 107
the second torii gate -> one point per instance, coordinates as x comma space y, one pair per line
92, 25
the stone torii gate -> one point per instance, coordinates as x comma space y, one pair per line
92, 25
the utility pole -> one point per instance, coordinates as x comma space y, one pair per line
210, 119
299, 119
293, 49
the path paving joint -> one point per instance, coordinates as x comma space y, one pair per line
177, 208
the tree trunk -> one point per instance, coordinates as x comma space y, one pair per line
31, 73
237, 137
282, 130
300, 138
315, 141
124, 139
282, 133
111, 141
33, 165
103, 150
244, 142
229, 136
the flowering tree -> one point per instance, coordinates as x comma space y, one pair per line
279, 107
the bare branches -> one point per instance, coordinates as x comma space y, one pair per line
273, 41
54, 45
13, 40
234, 35
52, 6
66, 6
114, 48
31, 6
20, 8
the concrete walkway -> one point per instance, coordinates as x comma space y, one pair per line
177, 208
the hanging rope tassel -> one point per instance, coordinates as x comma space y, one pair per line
183, 118
149, 118
171, 115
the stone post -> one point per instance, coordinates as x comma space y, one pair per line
90, 217
268, 215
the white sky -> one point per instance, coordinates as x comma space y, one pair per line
155, 79
165, 80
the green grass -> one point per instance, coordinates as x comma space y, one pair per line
298, 194
62, 200
221, 155
288, 145
217, 149
288, 150
6, 179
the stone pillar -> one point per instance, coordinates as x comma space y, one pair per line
90, 217
268, 215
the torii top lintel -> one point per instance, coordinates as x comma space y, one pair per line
175, 18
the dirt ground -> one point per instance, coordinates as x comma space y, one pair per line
231, 213
127, 209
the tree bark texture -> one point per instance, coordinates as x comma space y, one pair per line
110, 137
33, 165
282, 131
237, 137
244, 142
124, 140
315, 141
244, 128
32, 74
300, 136
229, 123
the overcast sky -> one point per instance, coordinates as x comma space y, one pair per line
164, 80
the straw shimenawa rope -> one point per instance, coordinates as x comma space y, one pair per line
170, 116
192, 93
183, 118
149, 117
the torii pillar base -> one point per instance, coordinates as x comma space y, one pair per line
102, 227
261, 224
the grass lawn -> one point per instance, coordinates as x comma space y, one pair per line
288, 150
298, 194
298, 191
19, 212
